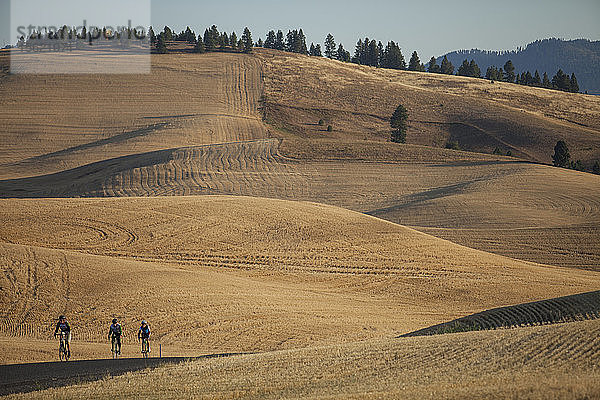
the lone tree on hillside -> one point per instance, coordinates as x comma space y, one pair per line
398, 122
247, 40
561, 155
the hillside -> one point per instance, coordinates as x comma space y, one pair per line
225, 148
205, 269
206, 198
358, 102
580, 56
558, 362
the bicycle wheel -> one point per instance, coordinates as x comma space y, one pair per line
145, 347
61, 351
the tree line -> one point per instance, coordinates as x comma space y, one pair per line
367, 52
212, 40
560, 81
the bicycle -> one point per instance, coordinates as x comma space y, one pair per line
115, 348
63, 352
145, 347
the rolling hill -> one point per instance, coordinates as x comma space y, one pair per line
558, 362
221, 273
206, 198
225, 148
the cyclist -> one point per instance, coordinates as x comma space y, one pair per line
115, 334
144, 333
63, 326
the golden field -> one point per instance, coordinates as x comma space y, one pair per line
205, 198
549, 362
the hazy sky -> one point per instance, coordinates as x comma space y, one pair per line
430, 27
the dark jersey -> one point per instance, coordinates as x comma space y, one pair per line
63, 327
144, 332
115, 330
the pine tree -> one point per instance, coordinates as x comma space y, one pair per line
463, 70
433, 67
330, 46
161, 46
302, 49
210, 39
474, 69
260, 43
168, 34
574, 86
150, 34
528, 79
392, 57
415, 63
233, 40
546, 82
380, 54
561, 81
342, 54
537, 81
492, 73
270, 41
561, 157
446, 67
223, 41
509, 72
358, 52
199, 48
399, 125
373, 54
189, 36
247, 40
318, 52
315, 50
279, 42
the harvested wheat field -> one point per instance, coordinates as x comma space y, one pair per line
222, 273
558, 362
78, 119
212, 141
206, 198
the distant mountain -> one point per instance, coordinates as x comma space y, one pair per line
580, 56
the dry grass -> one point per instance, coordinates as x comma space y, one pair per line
55, 122
222, 273
551, 362
358, 101
442, 107
231, 274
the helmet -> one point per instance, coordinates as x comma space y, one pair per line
144, 322
62, 317
114, 320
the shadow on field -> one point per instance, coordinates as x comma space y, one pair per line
577, 307
24, 378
